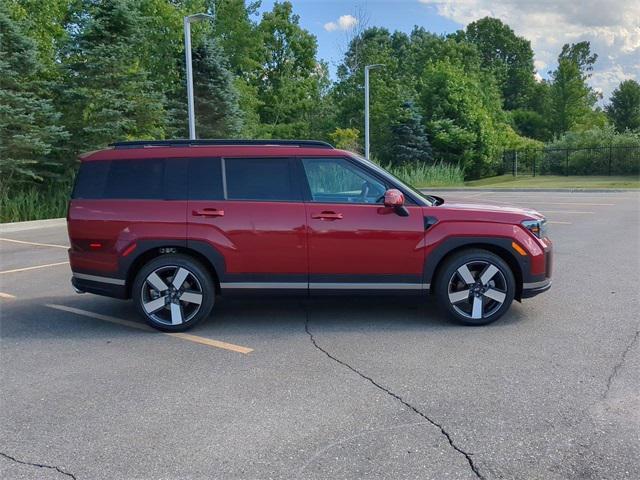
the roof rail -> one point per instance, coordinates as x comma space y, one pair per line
230, 142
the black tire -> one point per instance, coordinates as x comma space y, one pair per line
149, 293
490, 298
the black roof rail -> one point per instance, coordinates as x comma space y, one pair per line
230, 142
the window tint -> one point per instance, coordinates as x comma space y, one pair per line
132, 179
260, 179
135, 179
90, 179
336, 180
205, 179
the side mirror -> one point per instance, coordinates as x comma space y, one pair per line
393, 198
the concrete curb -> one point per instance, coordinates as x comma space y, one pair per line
31, 225
565, 190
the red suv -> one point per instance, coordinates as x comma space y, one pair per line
173, 224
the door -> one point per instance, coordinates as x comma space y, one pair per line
355, 242
250, 212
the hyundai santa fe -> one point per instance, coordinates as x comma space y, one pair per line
173, 225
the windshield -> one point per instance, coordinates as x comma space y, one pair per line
428, 199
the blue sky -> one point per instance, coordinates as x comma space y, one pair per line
400, 15
612, 27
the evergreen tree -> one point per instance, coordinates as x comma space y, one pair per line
409, 139
110, 96
624, 109
216, 101
29, 124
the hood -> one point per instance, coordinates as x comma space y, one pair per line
488, 212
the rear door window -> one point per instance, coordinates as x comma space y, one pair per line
205, 179
266, 179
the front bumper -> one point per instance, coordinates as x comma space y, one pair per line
535, 285
535, 288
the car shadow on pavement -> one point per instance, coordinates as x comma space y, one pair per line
266, 316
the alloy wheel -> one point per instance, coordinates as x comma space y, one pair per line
171, 295
477, 289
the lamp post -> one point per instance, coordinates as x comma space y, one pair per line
366, 107
189, 66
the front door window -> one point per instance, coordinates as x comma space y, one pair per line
336, 180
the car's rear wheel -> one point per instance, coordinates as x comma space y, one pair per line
475, 287
173, 292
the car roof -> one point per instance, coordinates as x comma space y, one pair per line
213, 148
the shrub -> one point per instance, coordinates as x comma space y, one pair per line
424, 175
34, 201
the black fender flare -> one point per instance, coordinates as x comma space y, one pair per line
520, 265
153, 248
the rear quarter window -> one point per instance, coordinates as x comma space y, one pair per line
160, 179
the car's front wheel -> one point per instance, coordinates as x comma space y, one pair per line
173, 292
475, 287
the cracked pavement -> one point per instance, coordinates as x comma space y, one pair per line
10, 471
394, 395
335, 388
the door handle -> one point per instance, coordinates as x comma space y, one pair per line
327, 216
208, 212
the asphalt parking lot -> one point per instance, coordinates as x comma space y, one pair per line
331, 389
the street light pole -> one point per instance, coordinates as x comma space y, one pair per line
366, 107
189, 67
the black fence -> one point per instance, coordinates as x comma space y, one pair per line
573, 161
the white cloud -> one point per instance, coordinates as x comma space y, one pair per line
345, 22
612, 27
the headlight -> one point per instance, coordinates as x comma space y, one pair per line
537, 227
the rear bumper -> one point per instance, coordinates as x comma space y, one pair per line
107, 286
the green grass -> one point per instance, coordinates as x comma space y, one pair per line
554, 181
34, 202
421, 175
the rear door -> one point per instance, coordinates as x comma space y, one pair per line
355, 242
249, 216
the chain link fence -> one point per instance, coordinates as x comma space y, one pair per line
573, 161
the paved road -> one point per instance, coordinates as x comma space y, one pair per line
340, 389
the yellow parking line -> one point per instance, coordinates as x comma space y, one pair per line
142, 326
106, 318
34, 243
7, 296
33, 268
211, 342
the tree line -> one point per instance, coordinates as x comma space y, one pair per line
76, 75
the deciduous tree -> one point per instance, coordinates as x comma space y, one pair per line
507, 56
571, 98
624, 109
